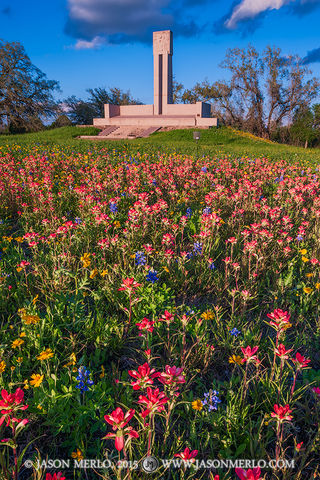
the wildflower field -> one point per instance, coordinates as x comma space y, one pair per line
160, 305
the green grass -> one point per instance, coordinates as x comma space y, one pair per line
225, 141
57, 135
214, 142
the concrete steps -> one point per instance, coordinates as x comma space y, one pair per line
107, 131
124, 132
149, 131
127, 132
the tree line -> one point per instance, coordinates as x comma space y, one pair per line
268, 94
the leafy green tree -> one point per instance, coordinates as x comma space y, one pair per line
61, 121
79, 111
305, 129
25, 92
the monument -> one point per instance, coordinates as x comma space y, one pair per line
163, 112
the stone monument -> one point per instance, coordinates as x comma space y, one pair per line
163, 112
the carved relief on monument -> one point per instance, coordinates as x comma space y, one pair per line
162, 42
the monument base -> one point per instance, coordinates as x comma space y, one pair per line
157, 121
174, 115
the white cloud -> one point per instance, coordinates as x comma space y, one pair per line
96, 42
251, 8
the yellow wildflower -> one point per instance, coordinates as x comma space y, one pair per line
307, 290
305, 259
317, 286
22, 312
235, 359
303, 251
26, 384
35, 299
72, 361
103, 273
19, 239
19, 359
28, 319
36, 379
32, 319
93, 273
85, 259
77, 454
208, 315
102, 374
197, 405
17, 343
309, 275
45, 354
22, 334
2, 366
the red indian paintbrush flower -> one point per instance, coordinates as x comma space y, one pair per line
249, 353
251, 474
171, 376
282, 413
11, 401
55, 476
154, 401
279, 319
166, 317
282, 352
10, 404
129, 285
300, 361
187, 454
145, 324
119, 420
316, 390
144, 376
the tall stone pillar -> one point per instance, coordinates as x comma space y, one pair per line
162, 63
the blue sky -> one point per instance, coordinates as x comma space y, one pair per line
105, 43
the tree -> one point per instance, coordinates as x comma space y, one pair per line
177, 90
61, 121
25, 92
79, 111
264, 91
84, 111
305, 127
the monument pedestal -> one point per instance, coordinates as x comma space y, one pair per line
163, 113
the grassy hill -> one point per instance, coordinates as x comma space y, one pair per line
214, 142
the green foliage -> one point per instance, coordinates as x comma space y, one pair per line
25, 92
305, 129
